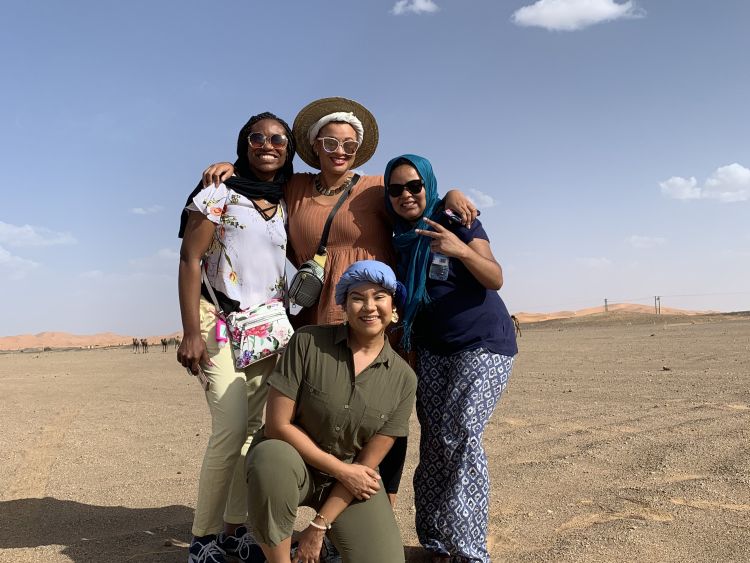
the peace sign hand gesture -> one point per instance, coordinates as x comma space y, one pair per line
444, 241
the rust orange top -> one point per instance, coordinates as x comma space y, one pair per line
361, 230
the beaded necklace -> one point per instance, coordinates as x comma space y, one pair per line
331, 191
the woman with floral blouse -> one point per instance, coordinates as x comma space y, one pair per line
233, 238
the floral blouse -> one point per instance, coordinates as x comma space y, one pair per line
247, 257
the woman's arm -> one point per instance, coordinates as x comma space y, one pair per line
361, 480
217, 173
476, 256
199, 232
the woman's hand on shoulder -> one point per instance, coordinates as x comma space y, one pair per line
217, 173
192, 353
360, 480
457, 200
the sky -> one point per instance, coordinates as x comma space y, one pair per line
606, 142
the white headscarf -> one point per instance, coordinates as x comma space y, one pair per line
339, 116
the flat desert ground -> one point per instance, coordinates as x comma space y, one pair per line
621, 438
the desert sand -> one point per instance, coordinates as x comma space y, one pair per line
622, 437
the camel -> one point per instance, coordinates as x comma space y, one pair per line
516, 324
164, 344
136, 345
176, 340
144, 345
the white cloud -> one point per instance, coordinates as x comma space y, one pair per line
414, 6
27, 235
728, 184
13, 267
146, 210
481, 199
594, 263
572, 15
639, 241
681, 188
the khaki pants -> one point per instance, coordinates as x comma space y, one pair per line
236, 399
279, 481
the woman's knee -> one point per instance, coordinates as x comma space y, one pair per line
367, 532
229, 438
276, 475
274, 464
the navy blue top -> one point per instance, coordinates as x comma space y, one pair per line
463, 314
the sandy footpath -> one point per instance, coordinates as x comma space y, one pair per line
618, 440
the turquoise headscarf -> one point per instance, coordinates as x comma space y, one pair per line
413, 249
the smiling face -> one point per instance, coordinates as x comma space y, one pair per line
337, 162
369, 309
407, 205
267, 160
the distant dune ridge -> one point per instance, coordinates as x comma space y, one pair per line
611, 308
67, 340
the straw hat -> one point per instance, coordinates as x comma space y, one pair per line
313, 111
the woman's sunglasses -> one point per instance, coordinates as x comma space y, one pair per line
412, 186
331, 144
258, 140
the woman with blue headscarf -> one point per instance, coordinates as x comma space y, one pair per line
465, 342
337, 400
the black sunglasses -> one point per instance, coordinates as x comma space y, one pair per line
258, 140
412, 186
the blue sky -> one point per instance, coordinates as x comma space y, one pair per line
605, 142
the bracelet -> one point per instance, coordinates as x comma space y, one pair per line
325, 520
317, 526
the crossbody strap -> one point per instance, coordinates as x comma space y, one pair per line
210, 290
324, 239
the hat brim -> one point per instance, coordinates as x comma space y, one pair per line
313, 111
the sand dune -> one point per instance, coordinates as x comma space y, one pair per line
67, 340
612, 307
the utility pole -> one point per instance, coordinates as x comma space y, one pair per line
656, 311
606, 309
658, 304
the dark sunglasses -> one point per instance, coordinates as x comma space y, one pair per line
258, 140
412, 186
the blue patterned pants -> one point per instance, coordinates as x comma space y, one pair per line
456, 396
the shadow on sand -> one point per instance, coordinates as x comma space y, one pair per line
113, 534
96, 533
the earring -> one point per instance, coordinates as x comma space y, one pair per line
394, 317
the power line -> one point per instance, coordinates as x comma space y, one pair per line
610, 301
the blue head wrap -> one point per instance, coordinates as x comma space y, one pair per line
369, 271
413, 249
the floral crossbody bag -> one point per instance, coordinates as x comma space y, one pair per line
256, 332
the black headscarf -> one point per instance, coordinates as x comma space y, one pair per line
245, 182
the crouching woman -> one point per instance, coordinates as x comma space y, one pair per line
337, 400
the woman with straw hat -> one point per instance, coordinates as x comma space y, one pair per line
336, 135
